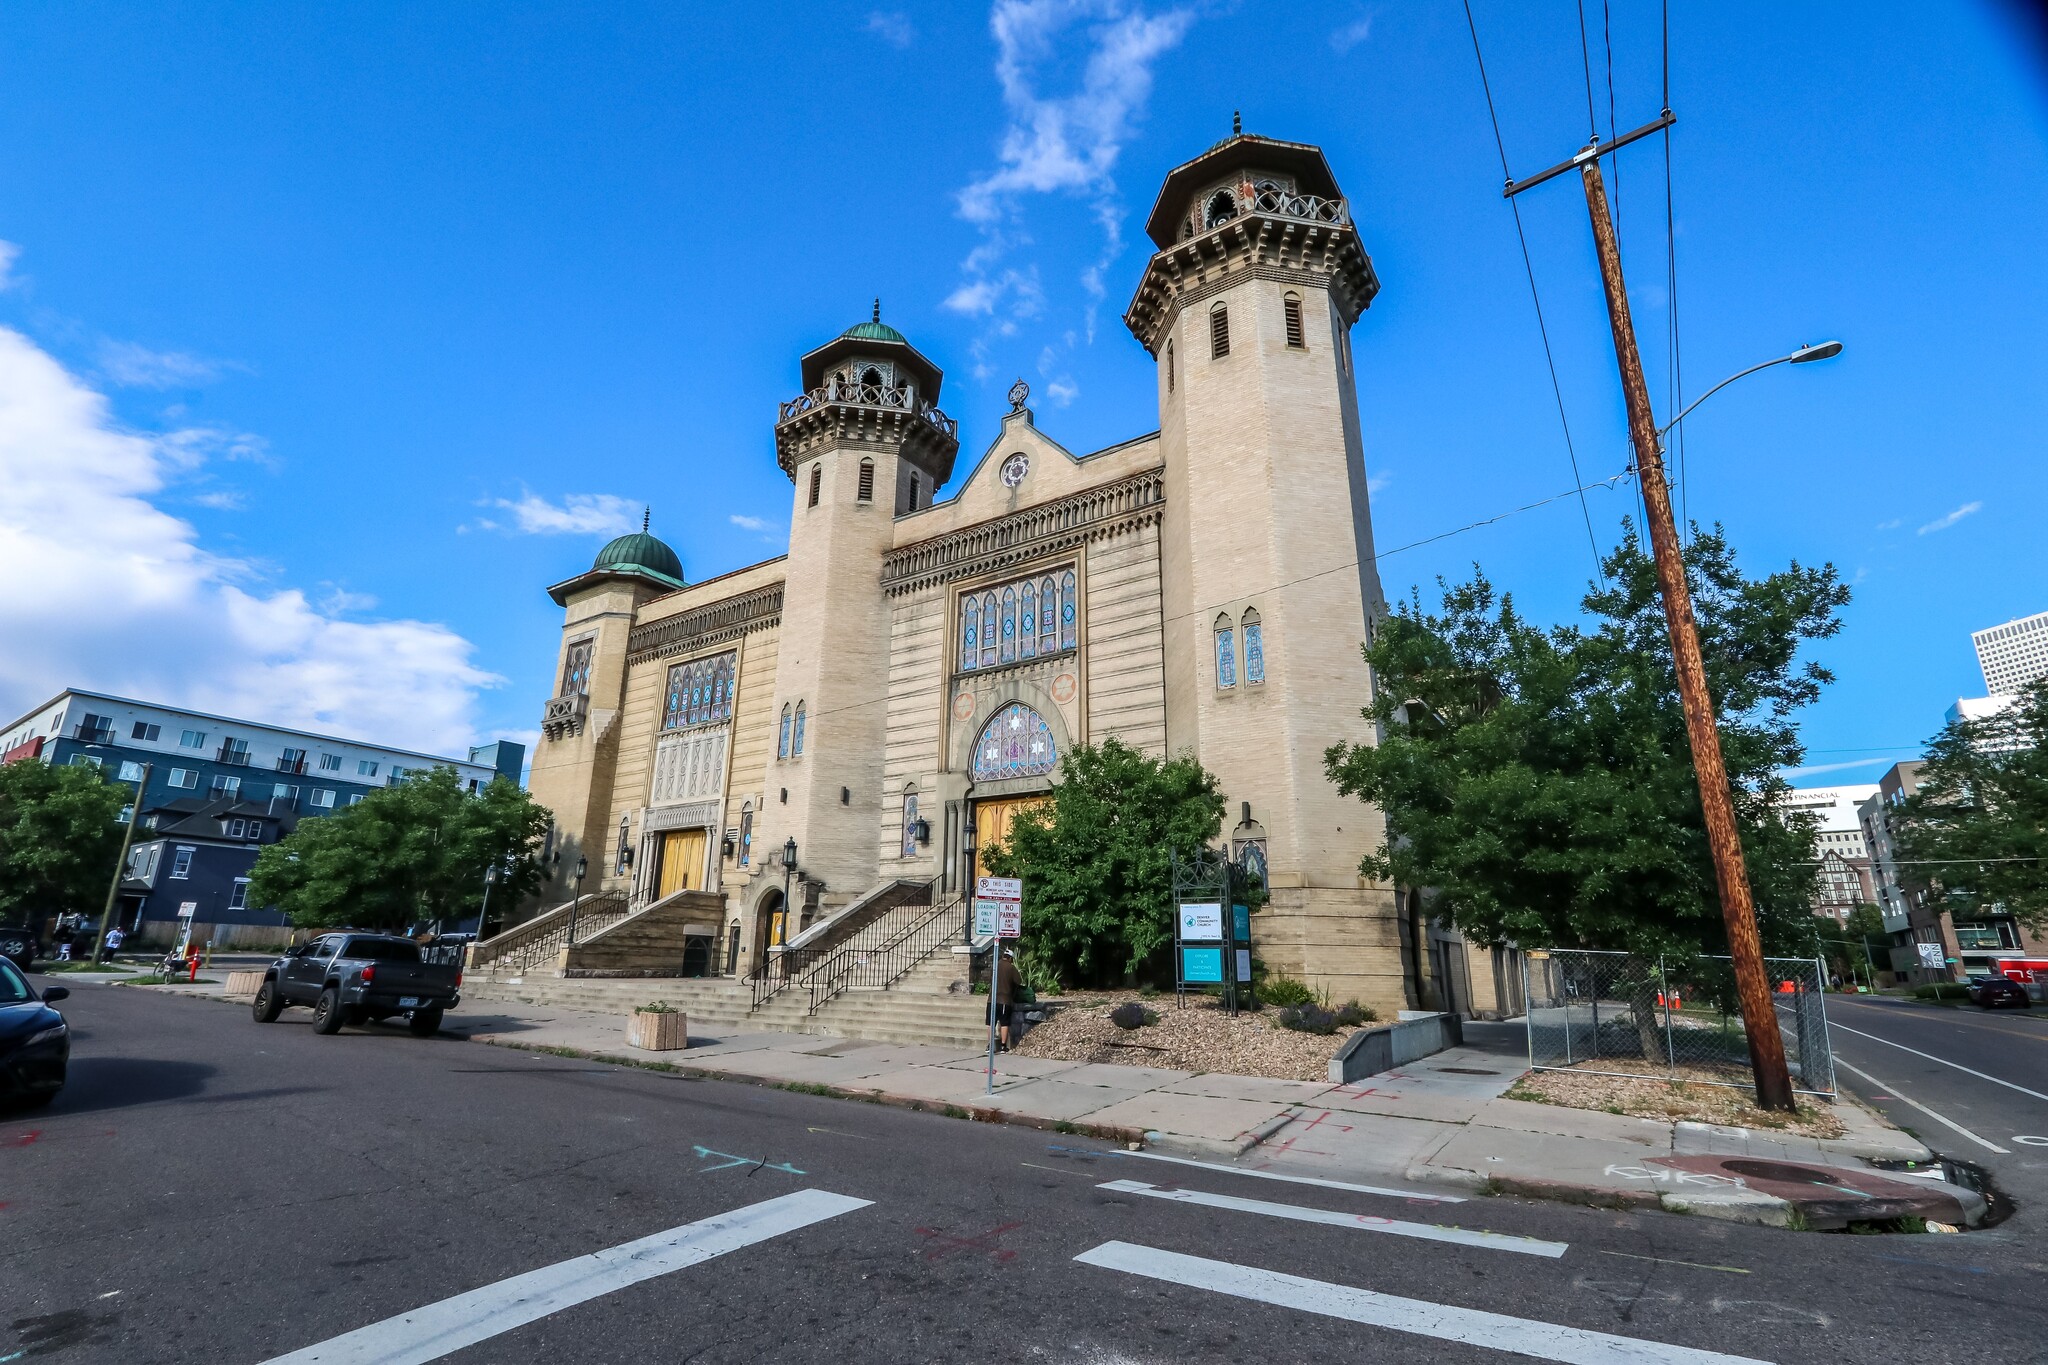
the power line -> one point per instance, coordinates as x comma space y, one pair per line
1585, 60
1674, 378
1529, 267
1607, 42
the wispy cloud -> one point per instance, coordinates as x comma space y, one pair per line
1377, 483
1814, 769
892, 27
577, 514
770, 531
1350, 35
220, 500
9, 254
1894, 524
1942, 523
138, 367
1064, 132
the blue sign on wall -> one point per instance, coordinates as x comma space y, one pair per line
1241, 919
1201, 966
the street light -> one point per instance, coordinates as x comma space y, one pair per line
483, 915
1826, 350
788, 870
967, 887
582, 866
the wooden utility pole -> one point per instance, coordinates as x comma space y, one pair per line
121, 863
1717, 802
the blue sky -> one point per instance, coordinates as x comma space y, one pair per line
333, 337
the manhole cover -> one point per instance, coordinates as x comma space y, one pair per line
1464, 1071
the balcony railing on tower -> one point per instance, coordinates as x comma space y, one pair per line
901, 398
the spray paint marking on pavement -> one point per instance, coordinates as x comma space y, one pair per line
943, 1244
731, 1161
1417, 1317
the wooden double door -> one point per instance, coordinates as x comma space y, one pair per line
993, 818
681, 861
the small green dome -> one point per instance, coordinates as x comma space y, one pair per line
640, 551
874, 331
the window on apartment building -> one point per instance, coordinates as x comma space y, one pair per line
238, 899
1219, 332
131, 772
181, 865
397, 775
84, 761
192, 739
866, 491
185, 777
234, 829
817, 482
144, 730
1290, 308
330, 763
96, 729
323, 797
227, 786
292, 761
284, 791
366, 767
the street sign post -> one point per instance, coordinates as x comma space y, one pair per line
998, 915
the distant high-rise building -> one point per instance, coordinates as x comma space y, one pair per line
2014, 654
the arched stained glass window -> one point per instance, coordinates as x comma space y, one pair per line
988, 630
1048, 615
1027, 621
796, 745
782, 745
910, 824
1254, 649
1009, 654
1068, 619
1226, 653
970, 632
1015, 743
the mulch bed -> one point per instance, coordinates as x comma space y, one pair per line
1201, 1037
1654, 1096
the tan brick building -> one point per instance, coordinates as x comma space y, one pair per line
886, 692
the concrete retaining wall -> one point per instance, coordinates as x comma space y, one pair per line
1373, 1050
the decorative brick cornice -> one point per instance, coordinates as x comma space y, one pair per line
1258, 245
705, 627
1097, 513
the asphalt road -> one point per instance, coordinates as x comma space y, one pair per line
1913, 1059
209, 1189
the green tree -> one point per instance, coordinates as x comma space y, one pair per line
60, 832
1543, 788
412, 852
1098, 893
1978, 826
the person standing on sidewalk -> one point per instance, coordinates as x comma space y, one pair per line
1002, 992
115, 938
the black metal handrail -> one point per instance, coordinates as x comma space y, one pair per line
784, 969
883, 965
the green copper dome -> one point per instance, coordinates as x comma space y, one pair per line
874, 331
640, 551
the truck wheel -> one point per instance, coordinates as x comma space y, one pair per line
424, 1023
328, 1015
269, 1004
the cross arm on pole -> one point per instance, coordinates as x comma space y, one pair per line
1595, 150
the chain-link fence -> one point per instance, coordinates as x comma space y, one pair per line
1621, 1015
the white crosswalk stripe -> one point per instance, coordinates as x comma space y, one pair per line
1417, 1317
438, 1329
1365, 1222
1252, 1174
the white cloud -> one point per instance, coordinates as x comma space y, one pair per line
892, 27
138, 367
1064, 142
577, 514
1815, 769
167, 619
1063, 390
9, 254
1894, 524
1377, 483
1942, 523
220, 500
770, 532
1351, 34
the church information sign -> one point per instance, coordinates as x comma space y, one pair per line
1201, 922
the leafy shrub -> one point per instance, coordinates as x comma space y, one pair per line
1351, 1014
1942, 990
1148, 991
655, 1007
1309, 1018
1131, 1015
1039, 974
1285, 990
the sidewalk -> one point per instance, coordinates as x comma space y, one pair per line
1441, 1123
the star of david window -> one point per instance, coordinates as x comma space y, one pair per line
1015, 743
1015, 468
1031, 618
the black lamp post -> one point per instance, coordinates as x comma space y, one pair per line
582, 866
967, 883
483, 915
788, 871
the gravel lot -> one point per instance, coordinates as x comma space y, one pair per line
1201, 1037
1654, 1097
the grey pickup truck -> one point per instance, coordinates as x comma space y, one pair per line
350, 978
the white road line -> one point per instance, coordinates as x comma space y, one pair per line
441, 1328
1439, 1322
1844, 1028
1497, 1241
1294, 1179
1893, 1091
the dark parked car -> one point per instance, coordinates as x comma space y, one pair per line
1993, 991
35, 1042
351, 978
18, 945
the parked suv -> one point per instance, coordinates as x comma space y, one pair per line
352, 978
1992, 991
18, 945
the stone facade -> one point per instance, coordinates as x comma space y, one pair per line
1204, 588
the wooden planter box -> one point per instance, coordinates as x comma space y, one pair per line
658, 1032
243, 985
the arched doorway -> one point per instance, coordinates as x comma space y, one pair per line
770, 927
